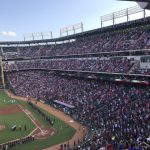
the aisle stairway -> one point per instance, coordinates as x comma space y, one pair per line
134, 67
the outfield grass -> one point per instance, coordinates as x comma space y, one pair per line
63, 135
4, 100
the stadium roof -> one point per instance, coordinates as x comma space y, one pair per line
143, 3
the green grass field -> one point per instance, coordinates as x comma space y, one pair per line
13, 119
63, 135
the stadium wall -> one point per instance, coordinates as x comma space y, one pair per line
145, 65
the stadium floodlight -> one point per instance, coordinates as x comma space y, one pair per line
134, 10
47, 34
38, 35
28, 36
122, 13
71, 28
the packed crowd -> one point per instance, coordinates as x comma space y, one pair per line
118, 65
122, 40
119, 112
15, 143
141, 71
103, 64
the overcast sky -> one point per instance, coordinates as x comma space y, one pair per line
24, 16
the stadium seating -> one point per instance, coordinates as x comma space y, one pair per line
117, 112
120, 65
109, 65
120, 111
122, 40
142, 71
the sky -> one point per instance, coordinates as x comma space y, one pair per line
18, 17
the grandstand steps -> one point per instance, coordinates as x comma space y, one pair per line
136, 65
16, 67
102, 108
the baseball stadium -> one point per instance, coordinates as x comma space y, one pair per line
85, 89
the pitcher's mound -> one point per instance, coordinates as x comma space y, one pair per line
2, 127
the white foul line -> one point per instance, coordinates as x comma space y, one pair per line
31, 119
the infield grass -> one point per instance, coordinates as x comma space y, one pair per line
18, 119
